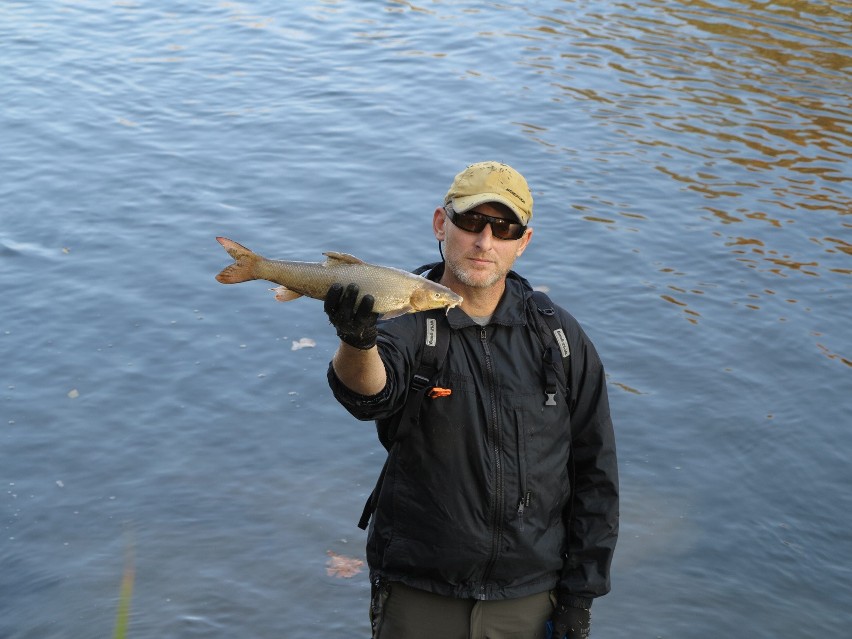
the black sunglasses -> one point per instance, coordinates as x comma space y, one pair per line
475, 222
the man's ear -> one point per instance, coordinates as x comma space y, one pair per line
439, 221
525, 240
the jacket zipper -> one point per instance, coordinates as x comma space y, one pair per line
496, 446
526, 495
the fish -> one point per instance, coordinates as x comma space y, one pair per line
395, 292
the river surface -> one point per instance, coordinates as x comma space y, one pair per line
691, 162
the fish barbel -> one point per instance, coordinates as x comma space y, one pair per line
395, 292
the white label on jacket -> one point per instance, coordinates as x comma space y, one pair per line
562, 341
431, 331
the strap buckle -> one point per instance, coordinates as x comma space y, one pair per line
419, 382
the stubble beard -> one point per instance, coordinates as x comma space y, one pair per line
469, 279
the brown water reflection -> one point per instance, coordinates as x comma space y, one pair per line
740, 114
760, 86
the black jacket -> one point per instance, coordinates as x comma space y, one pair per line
477, 501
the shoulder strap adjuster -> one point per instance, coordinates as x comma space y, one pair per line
419, 382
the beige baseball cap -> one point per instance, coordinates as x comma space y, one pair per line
491, 182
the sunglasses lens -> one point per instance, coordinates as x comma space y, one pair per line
475, 222
470, 222
505, 230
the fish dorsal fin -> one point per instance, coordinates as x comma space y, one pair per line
344, 258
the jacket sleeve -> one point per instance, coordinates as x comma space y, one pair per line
395, 348
592, 514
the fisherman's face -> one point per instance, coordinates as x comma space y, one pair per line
478, 260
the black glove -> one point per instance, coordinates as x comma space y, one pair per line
355, 326
572, 617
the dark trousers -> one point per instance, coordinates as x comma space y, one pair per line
401, 612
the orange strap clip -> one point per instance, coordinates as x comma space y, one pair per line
437, 391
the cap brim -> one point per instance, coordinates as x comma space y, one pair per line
468, 202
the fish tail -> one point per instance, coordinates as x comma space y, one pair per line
245, 263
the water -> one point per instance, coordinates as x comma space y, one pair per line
691, 168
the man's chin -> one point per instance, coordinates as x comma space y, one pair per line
478, 279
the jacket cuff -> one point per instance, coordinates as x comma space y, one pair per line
572, 601
352, 399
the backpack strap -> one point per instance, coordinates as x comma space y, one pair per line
556, 347
556, 344
370, 504
432, 353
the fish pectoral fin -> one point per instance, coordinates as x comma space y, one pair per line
397, 312
344, 258
284, 294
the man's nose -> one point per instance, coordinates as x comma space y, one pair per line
485, 237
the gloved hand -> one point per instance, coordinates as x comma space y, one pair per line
571, 619
355, 326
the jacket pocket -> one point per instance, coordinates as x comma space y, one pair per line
525, 495
543, 450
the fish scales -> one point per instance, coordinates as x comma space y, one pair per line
313, 279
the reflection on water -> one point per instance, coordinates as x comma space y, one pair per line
706, 89
691, 163
742, 105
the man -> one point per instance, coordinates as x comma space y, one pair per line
497, 512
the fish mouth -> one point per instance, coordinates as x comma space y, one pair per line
453, 304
